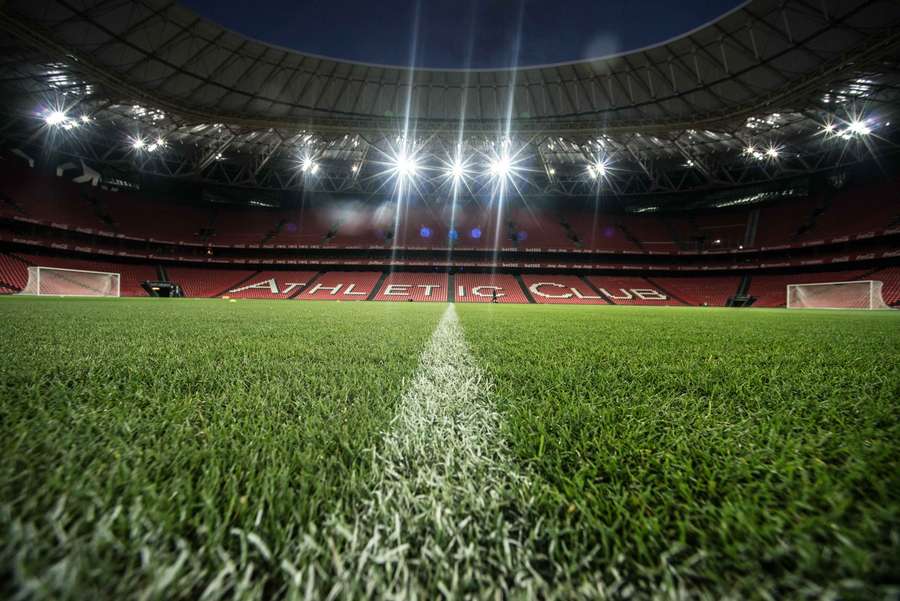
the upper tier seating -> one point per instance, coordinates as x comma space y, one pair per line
855, 212
341, 222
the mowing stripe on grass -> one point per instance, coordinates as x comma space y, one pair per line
447, 513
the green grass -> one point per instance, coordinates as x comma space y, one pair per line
176, 449
749, 452
138, 433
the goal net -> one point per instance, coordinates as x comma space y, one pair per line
71, 282
864, 294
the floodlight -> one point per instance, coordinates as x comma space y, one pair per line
859, 127
85, 119
456, 170
500, 167
598, 169
772, 152
405, 165
308, 165
55, 118
138, 143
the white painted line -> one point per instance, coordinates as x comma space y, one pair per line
448, 511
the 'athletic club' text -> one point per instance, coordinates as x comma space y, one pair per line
548, 289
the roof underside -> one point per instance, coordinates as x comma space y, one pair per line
670, 118
767, 49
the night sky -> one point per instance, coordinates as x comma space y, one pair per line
462, 33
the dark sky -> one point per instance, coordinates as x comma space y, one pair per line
462, 33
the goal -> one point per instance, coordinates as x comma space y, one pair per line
56, 281
862, 294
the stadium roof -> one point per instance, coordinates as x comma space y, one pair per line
769, 72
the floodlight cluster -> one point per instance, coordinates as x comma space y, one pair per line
57, 118
855, 128
140, 144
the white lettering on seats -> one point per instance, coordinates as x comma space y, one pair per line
265, 284
397, 290
349, 291
581, 295
332, 289
536, 290
649, 294
627, 294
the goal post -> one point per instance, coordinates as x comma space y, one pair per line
56, 281
861, 294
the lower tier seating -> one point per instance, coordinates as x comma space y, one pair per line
769, 289
14, 271
480, 288
890, 279
206, 282
427, 287
711, 291
561, 290
630, 290
342, 286
273, 285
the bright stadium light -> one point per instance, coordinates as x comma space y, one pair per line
54, 118
85, 119
598, 169
138, 143
500, 167
772, 152
405, 165
457, 171
308, 165
859, 127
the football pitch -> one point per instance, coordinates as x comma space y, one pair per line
206, 449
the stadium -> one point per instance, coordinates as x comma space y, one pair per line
284, 325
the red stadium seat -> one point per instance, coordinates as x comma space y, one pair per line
342, 286
207, 282
479, 288
629, 290
561, 290
272, 285
429, 287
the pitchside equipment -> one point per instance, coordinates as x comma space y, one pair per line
863, 294
71, 282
